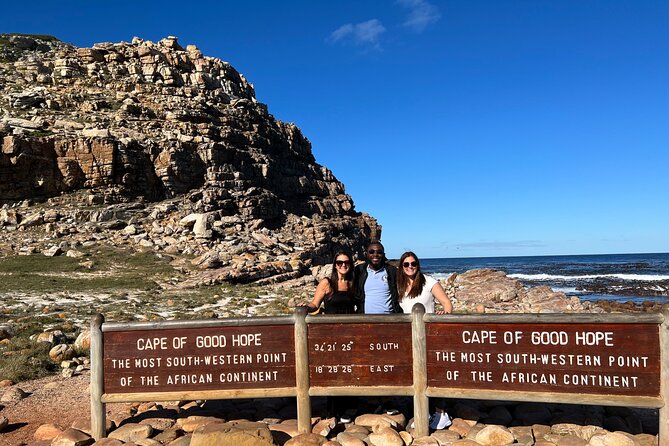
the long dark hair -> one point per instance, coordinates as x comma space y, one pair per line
334, 277
403, 279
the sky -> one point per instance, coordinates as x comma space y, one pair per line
467, 128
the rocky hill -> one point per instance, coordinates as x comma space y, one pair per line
161, 147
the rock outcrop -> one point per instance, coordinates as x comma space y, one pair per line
166, 148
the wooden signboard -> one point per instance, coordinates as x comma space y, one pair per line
612, 359
193, 359
358, 354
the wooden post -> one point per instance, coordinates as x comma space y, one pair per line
420, 400
664, 378
98, 416
302, 371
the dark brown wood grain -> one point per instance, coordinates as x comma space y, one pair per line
615, 359
188, 359
360, 354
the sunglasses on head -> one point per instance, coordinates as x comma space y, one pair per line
375, 251
410, 264
341, 262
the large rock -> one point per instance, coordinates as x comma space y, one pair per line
72, 437
156, 122
47, 431
132, 432
494, 435
13, 395
222, 434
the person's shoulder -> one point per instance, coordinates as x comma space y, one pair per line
429, 280
325, 283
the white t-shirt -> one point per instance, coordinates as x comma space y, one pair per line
425, 297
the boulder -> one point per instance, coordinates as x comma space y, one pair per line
131, 432
223, 434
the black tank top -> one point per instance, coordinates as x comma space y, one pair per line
340, 302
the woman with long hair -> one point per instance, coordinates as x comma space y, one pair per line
336, 294
415, 287
336, 291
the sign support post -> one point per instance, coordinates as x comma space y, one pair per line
98, 416
664, 378
420, 399
302, 383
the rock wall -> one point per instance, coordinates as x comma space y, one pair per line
147, 122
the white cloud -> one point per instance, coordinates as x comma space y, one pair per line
364, 33
421, 14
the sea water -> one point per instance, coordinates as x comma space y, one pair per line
619, 277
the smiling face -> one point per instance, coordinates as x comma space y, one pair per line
410, 266
342, 264
376, 255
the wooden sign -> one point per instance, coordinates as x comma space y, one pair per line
189, 359
613, 359
357, 354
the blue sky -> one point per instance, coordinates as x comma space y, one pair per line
467, 128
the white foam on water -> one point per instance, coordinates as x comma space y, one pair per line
628, 277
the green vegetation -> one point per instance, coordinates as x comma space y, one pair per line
39, 293
99, 271
22, 358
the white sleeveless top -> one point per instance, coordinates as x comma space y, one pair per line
425, 297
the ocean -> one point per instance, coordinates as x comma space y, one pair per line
615, 277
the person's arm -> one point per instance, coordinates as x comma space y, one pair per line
439, 294
322, 290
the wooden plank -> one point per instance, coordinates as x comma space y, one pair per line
361, 391
198, 395
546, 397
608, 359
203, 323
550, 318
360, 354
198, 359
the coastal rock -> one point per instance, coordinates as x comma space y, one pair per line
72, 437
52, 337
493, 435
306, 440
131, 432
385, 436
83, 341
47, 431
611, 439
61, 352
220, 433
173, 152
13, 395
348, 439
371, 420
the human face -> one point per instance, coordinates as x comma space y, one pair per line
410, 266
375, 255
343, 264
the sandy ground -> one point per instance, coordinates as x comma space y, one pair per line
53, 399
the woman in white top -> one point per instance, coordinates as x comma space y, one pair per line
415, 287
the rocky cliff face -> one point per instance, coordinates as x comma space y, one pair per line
167, 149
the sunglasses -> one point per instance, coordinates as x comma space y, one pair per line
375, 251
341, 262
410, 264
